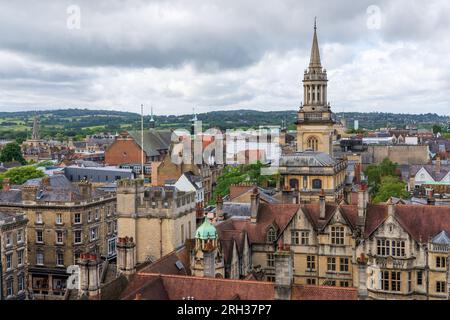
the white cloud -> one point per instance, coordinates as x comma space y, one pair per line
212, 55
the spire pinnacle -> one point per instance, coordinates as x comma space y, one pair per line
315, 54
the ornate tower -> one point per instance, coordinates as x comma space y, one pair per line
35, 135
207, 260
314, 123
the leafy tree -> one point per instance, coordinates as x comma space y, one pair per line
390, 187
243, 173
375, 173
437, 129
12, 152
20, 175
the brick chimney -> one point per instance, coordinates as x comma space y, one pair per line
6, 184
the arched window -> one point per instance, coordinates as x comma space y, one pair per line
271, 235
317, 184
313, 144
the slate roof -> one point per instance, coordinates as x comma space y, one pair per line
437, 175
239, 190
441, 238
154, 140
307, 159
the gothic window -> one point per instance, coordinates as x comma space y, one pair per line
271, 235
313, 144
317, 184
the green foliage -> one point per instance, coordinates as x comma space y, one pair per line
45, 163
384, 181
375, 173
244, 173
437, 129
20, 175
391, 187
12, 152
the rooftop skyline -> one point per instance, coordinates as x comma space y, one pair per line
175, 55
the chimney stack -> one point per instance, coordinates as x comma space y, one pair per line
219, 208
363, 199
85, 189
90, 275
254, 204
322, 205
283, 275
126, 256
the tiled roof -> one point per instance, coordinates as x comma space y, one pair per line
167, 264
278, 215
150, 286
376, 215
423, 222
162, 287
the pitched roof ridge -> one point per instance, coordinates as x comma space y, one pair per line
148, 274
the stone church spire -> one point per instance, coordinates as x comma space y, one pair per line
36, 135
315, 53
314, 120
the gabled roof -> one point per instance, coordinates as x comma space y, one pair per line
423, 222
441, 238
154, 140
436, 172
270, 214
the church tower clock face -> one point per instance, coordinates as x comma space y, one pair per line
315, 123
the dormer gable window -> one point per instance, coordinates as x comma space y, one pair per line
271, 235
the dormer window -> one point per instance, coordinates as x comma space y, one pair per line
271, 235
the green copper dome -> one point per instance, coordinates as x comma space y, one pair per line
206, 231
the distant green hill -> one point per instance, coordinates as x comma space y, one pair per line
81, 122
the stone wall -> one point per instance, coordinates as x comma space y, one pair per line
401, 154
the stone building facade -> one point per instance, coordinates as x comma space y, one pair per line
65, 220
13, 256
159, 219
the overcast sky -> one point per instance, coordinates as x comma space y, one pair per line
223, 55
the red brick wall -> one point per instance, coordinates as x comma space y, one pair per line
122, 152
